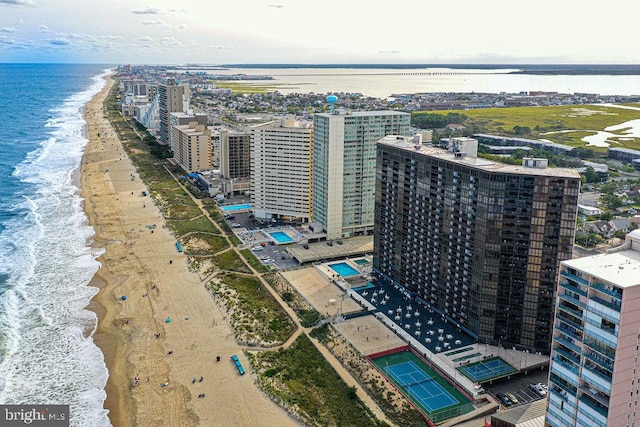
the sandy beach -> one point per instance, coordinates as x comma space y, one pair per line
163, 299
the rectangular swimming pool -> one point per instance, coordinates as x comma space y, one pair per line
230, 208
281, 237
343, 269
361, 261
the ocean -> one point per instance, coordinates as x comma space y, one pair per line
47, 355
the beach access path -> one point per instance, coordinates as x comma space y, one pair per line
136, 264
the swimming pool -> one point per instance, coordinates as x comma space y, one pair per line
344, 269
361, 261
281, 237
230, 208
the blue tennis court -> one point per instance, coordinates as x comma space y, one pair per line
425, 389
487, 370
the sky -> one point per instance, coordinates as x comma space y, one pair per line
312, 32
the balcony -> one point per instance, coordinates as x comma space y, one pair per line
599, 360
562, 317
609, 290
568, 354
573, 333
593, 344
568, 365
612, 305
572, 300
593, 406
575, 278
570, 286
576, 313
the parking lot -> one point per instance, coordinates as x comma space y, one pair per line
269, 254
518, 385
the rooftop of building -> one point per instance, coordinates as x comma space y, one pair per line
407, 143
345, 113
621, 268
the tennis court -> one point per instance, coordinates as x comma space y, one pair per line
486, 370
422, 387
425, 388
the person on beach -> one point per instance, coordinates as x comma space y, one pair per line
201, 379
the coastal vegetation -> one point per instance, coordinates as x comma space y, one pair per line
394, 405
255, 316
307, 315
563, 124
301, 379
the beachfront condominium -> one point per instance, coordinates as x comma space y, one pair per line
235, 154
281, 170
183, 118
594, 377
344, 167
171, 98
194, 151
479, 241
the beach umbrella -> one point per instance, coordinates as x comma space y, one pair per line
123, 297
168, 320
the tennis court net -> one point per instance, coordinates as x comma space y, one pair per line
422, 381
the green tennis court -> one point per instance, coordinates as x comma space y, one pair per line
486, 370
425, 388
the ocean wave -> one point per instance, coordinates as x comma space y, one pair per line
45, 355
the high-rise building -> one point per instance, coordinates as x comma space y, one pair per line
480, 241
344, 167
170, 100
193, 147
281, 170
235, 154
594, 377
183, 118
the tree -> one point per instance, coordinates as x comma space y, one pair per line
521, 130
591, 175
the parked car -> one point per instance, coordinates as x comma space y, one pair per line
538, 389
514, 400
504, 399
235, 225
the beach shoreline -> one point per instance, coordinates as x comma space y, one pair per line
158, 326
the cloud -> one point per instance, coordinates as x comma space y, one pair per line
156, 22
177, 10
391, 52
170, 41
147, 11
8, 41
181, 26
44, 28
8, 30
112, 37
59, 41
17, 2
145, 39
277, 6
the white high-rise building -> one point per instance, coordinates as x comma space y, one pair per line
594, 377
344, 167
280, 165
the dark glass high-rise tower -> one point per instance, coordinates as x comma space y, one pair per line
480, 241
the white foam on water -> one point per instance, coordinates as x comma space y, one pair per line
45, 357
